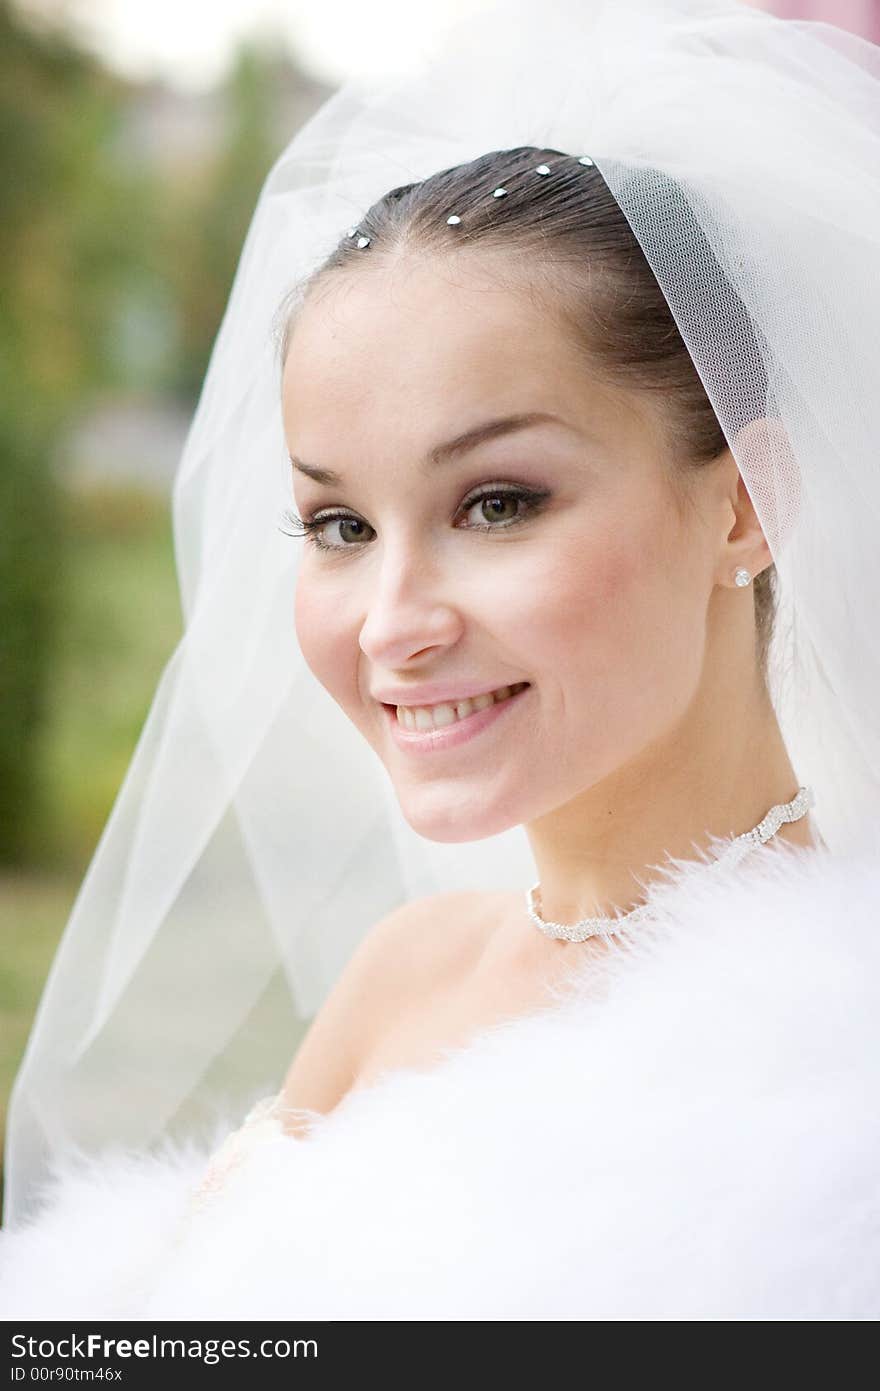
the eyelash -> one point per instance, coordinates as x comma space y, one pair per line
310, 527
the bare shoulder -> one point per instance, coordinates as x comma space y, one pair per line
420, 947
431, 938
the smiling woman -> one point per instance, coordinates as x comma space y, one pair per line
565, 446
544, 591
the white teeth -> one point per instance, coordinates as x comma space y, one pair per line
444, 714
436, 716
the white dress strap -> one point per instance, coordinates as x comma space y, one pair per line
262, 1121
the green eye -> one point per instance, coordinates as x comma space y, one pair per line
493, 501
493, 505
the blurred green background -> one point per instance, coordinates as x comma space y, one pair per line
125, 205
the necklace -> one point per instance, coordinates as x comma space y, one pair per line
738, 847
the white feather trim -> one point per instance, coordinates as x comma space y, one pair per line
691, 1132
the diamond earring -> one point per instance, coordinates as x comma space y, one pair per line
742, 577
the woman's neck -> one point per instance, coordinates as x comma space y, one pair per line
716, 775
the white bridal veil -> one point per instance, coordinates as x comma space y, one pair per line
256, 836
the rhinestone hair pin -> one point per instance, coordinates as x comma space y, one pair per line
454, 219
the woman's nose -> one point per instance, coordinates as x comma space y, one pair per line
408, 609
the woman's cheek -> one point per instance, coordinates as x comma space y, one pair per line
589, 593
317, 631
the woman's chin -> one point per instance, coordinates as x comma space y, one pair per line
448, 821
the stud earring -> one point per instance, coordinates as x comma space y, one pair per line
742, 577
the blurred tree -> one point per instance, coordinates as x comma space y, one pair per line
119, 243
209, 218
72, 230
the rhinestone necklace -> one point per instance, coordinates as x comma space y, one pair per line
738, 847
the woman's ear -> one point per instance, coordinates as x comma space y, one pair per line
768, 468
737, 530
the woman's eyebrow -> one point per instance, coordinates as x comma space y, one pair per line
442, 453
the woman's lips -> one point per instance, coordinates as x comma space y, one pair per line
449, 736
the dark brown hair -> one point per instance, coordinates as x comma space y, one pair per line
566, 231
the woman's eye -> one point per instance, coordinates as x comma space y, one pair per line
501, 506
495, 509
350, 529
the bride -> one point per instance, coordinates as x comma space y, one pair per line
553, 629
577, 430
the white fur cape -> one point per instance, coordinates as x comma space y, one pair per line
699, 1138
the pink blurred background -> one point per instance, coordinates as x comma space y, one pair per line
859, 16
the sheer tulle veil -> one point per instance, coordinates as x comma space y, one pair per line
256, 837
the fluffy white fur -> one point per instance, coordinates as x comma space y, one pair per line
691, 1132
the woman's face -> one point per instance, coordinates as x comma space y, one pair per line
552, 553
